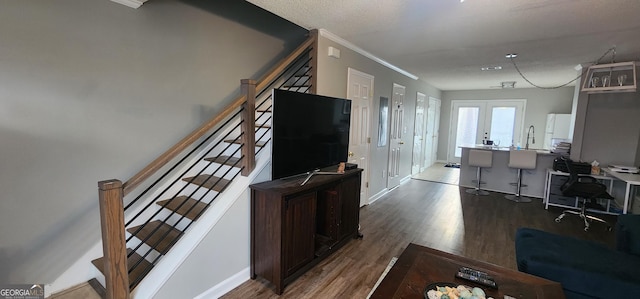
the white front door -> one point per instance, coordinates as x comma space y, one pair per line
419, 134
431, 136
396, 134
473, 122
360, 92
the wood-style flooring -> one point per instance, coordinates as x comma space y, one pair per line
435, 215
438, 173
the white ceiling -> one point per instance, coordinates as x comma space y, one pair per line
446, 42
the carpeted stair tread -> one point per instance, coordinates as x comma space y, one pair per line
226, 160
140, 270
183, 206
210, 182
161, 239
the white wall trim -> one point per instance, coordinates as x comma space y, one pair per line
130, 3
345, 43
227, 285
378, 195
405, 179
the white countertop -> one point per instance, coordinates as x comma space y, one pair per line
504, 148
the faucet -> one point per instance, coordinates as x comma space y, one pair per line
531, 130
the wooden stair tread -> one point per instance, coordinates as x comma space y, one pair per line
161, 240
226, 160
214, 183
263, 126
264, 110
258, 143
182, 204
135, 275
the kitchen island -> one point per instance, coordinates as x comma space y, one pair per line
499, 176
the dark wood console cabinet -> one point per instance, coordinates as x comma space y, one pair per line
294, 227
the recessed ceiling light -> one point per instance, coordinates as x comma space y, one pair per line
511, 55
491, 68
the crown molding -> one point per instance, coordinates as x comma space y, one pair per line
325, 33
130, 3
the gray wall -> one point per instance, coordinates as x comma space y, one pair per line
93, 90
332, 81
540, 102
609, 130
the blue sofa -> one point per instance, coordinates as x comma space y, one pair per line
585, 269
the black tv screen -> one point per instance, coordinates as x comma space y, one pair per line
308, 132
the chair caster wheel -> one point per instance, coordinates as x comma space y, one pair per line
608, 228
586, 229
558, 219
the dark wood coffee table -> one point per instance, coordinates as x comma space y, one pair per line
420, 266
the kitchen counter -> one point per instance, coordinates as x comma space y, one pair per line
499, 176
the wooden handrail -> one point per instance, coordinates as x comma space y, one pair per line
133, 182
262, 83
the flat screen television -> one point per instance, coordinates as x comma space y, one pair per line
309, 132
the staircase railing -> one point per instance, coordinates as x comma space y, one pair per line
243, 118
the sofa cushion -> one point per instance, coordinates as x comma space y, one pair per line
628, 234
583, 268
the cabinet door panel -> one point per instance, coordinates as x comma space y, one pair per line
350, 206
299, 232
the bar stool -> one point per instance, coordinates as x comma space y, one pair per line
479, 158
521, 159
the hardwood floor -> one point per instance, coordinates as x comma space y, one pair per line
435, 215
438, 173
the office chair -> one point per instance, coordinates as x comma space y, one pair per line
586, 188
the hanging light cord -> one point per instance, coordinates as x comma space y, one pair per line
613, 57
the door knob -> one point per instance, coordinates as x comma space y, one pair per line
401, 142
350, 154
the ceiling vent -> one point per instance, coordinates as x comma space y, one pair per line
508, 84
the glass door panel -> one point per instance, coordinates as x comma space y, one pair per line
467, 128
502, 125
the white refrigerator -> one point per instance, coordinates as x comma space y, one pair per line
557, 127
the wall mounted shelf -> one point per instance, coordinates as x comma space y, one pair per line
612, 77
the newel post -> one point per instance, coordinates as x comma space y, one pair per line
114, 244
248, 126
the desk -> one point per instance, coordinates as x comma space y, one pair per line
553, 196
630, 179
420, 266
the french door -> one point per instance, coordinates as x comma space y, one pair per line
475, 121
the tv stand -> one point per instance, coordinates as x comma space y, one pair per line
294, 227
317, 171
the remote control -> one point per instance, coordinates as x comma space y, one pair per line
476, 276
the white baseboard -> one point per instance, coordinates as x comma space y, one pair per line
227, 285
377, 196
